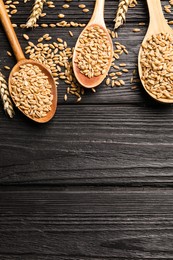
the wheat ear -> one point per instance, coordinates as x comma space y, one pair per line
121, 13
36, 12
5, 96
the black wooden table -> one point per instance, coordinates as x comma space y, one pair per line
96, 181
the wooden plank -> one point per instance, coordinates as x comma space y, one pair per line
114, 138
113, 145
93, 224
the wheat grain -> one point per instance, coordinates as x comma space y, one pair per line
31, 91
25, 36
122, 64
125, 70
136, 30
65, 6
157, 65
85, 10
115, 70
82, 6
167, 8
6, 67
57, 57
71, 33
50, 4
11, 7
61, 15
9, 53
93, 52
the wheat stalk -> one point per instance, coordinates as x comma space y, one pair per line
5, 96
121, 13
36, 12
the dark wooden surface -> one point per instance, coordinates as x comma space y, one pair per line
96, 182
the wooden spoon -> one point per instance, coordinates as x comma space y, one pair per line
96, 19
157, 25
21, 60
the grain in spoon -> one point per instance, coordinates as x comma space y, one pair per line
155, 59
43, 72
93, 51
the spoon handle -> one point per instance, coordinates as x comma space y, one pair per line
155, 11
98, 14
10, 32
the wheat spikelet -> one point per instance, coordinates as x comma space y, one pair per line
121, 13
36, 12
133, 3
5, 96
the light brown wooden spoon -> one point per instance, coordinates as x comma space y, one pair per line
157, 25
21, 60
96, 19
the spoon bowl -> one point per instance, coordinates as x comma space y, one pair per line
45, 71
21, 60
97, 19
157, 25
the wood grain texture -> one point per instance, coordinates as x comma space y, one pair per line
95, 182
86, 225
118, 145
